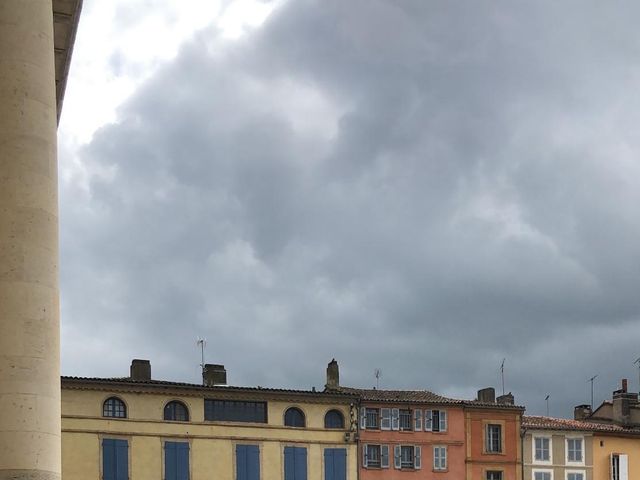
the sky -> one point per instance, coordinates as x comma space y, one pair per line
421, 187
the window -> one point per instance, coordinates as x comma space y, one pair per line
576, 475
574, 450
439, 458
176, 411
115, 459
493, 438
406, 419
494, 475
541, 449
372, 456
294, 417
114, 407
407, 456
247, 462
435, 420
335, 464
176, 461
235, 411
619, 466
542, 475
295, 463
333, 419
372, 418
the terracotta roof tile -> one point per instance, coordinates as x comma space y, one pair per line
549, 423
400, 396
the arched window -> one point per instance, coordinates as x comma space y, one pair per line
294, 417
333, 419
176, 411
114, 407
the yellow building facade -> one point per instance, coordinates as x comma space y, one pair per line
131, 413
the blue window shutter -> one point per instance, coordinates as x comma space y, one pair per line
182, 453
170, 461
241, 462
340, 464
253, 462
108, 459
301, 463
122, 459
289, 464
328, 464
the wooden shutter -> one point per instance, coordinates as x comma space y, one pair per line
384, 456
365, 450
247, 462
428, 420
624, 466
170, 461
417, 417
397, 456
385, 419
108, 459
363, 418
182, 460
122, 460
289, 464
241, 462
335, 464
300, 463
443, 420
395, 419
417, 457
443, 456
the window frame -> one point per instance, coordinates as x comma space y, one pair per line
575, 472
235, 457
406, 415
125, 407
101, 439
212, 402
164, 454
487, 424
490, 472
441, 458
541, 470
534, 449
340, 414
443, 420
294, 409
369, 447
175, 402
582, 450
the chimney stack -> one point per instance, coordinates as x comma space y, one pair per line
622, 402
487, 395
506, 399
213, 375
581, 412
140, 370
333, 375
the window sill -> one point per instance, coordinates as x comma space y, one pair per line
446, 470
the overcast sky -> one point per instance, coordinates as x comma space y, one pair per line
424, 187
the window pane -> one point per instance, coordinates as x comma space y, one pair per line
333, 419
294, 417
235, 411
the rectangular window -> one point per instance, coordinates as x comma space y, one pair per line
407, 456
575, 476
335, 464
235, 411
493, 438
115, 459
373, 418
176, 461
494, 475
538, 475
542, 449
574, 450
406, 419
295, 463
439, 458
247, 462
372, 456
435, 420
619, 466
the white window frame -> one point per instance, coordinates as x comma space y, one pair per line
443, 449
566, 449
541, 470
533, 450
581, 472
442, 420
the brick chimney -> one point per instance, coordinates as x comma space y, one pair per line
506, 399
487, 395
214, 375
140, 370
333, 375
581, 412
622, 402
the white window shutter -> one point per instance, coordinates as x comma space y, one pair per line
396, 456
365, 449
428, 423
611, 465
384, 456
624, 466
363, 418
417, 415
417, 457
443, 420
395, 419
443, 462
385, 419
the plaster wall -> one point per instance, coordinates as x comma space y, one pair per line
604, 446
558, 464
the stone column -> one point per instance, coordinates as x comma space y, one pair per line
29, 306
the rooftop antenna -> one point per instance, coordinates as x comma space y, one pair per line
638, 363
502, 374
546, 399
591, 380
202, 342
377, 373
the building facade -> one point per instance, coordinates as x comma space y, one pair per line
144, 429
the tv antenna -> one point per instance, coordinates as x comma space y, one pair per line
638, 363
546, 399
377, 373
502, 374
591, 380
201, 342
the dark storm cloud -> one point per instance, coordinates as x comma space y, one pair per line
423, 187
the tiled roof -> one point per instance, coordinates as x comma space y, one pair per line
400, 396
127, 381
549, 423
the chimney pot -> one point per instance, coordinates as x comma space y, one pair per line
581, 412
140, 370
506, 399
213, 374
624, 385
487, 395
